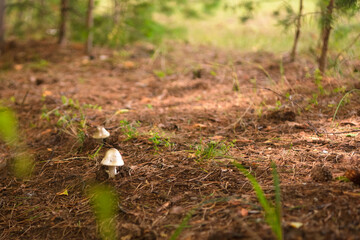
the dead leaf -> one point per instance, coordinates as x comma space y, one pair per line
199, 125
164, 206
129, 64
217, 138
46, 131
177, 210
18, 67
127, 237
352, 194
244, 212
296, 224
65, 192
120, 111
46, 93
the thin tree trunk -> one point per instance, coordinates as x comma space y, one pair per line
2, 26
63, 22
89, 24
297, 32
116, 12
326, 35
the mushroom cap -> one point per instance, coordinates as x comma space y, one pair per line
101, 133
112, 158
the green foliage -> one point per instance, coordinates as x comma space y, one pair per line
286, 15
212, 149
272, 212
104, 204
39, 66
129, 129
71, 118
158, 141
136, 20
347, 5
318, 81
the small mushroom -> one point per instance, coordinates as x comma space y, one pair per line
101, 133
112, 159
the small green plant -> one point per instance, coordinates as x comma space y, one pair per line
39, 66
96, 153
70, 117
272, 212
212, 149
236, 83
313, 101
158, 140
163, 73
129, 129
253, 81
318, 82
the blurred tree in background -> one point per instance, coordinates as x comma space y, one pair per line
111, 22
115, 23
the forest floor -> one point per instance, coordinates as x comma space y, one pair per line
180, 118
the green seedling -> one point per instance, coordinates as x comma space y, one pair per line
253, 81
39, 66
318, 77
70, 117
278, 105
212, 149
235, 79
162, 74
272, 212
157, 141
129, 129
313, 101
96, 153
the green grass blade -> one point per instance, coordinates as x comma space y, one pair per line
259, 192
342, 99
183, 225
277, 229
272, 214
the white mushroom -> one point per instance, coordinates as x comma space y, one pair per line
101, 133
112, 159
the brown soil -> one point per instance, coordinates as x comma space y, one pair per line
187, 100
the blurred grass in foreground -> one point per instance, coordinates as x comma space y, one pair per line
23, 163
104, 203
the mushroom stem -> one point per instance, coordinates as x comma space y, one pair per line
112, 171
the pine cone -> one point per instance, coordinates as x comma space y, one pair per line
353, 175
321, 174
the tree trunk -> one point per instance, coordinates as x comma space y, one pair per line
326, 35
89, 25
297, 32
2, 26
116, 12
63, 22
